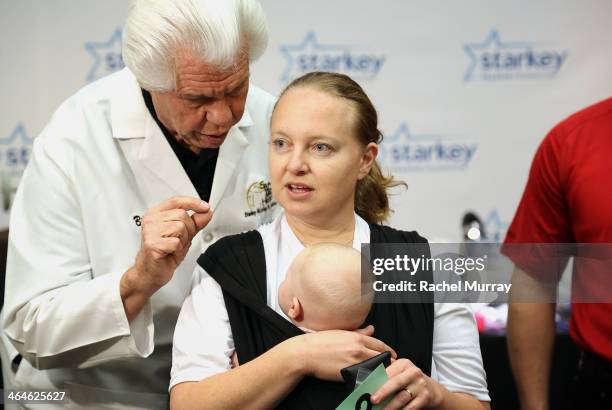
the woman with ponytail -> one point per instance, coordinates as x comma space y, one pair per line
322, 159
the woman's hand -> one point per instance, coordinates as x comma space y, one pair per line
325, 353
412, 388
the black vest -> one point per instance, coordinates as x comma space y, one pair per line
238, 264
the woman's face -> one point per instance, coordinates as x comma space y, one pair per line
315, 158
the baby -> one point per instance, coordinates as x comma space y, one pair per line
322, 289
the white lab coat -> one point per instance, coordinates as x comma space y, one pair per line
98, 165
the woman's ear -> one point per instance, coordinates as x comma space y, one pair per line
296, 312
367, 159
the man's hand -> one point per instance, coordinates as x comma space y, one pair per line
167, 232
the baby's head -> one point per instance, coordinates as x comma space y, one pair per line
322, 289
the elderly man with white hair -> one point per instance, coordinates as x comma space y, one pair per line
118, 199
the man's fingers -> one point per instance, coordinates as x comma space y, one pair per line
182, 216
166, 246
183, 202
182, 208
176, 229
201, 219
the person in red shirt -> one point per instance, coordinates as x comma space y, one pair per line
568, 199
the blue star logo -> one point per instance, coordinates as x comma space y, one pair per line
18, 134
107, 56
496, 228
309, 44
403, 150
402, 133
490, 44
15, 151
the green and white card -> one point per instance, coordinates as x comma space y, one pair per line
359, 399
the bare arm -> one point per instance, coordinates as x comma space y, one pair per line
260, 383
447, 400
454, 400
531, 335
266, 380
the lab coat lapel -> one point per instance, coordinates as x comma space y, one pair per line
158, 157
230, 154
145, 146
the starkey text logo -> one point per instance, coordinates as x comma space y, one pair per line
403, 150
311, 55
494, 59
106, 56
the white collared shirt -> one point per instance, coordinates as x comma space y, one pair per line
203, 340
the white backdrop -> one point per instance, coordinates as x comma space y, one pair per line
465, 89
